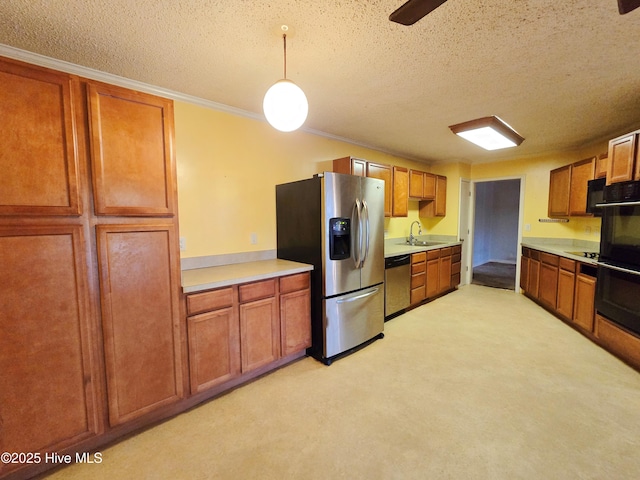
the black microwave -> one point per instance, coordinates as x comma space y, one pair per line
595, 195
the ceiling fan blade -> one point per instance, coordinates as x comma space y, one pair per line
414, 10
625, 6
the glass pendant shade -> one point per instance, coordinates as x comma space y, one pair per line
285, 106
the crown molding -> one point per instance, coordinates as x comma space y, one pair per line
90, 73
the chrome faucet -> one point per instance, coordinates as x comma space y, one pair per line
412, 239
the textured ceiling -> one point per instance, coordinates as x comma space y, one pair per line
563, 73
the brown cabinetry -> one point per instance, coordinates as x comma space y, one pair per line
581, 173
547, 291
383, 172
585, 294
295, 313
350, 166
623, 159
432, 287
240, 328
456, 261
602, 164
400, 207
566, 284
80, 265
131, 156
39, 156
438, 206
140, 318
48, 394
422, 185
418, 277
444, 270
559, 191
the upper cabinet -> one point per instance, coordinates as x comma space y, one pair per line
350, 166
400, 205
131, 152
39, 153
422, 185
383, 172
624, 164
438, 206
568, 188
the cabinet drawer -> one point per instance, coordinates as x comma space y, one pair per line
526, 252
211, 300
455, 268
418, 268
292, 283
549, 259
257, 290
567, 264
419, 257
456, 257
445, 252
457, 250
535, 254
432, 254
417, 280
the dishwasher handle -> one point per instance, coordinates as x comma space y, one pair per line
398, 261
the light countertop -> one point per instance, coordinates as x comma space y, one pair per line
563, 250
393, 250
199, 279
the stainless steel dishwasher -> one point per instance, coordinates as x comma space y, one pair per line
397, 284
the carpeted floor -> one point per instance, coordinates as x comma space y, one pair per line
495, 274
479, 384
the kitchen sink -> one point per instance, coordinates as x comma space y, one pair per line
421, 243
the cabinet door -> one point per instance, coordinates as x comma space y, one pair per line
441, 196
416, 184
350, 166
566, 283
524, 273
433, 276
400, 192
259, 333
383, 172
295, 321
548, 289
622, 153
139, 282
47, 378
559, 188
581, 173
585, 293
131, 152
534, 277
429, 189
418, 277
214, 348
39, 154
602, 163
444, 274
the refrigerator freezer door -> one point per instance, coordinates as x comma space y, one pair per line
372, 271
340, 193
353, 319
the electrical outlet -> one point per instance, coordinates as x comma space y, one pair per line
527, 227
254, 238
183, 244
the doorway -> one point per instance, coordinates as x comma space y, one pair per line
496, 232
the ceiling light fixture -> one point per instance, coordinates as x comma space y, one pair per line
490, 133
285, 104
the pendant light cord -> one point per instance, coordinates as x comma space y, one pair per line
284, 39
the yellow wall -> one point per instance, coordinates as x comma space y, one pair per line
228, 167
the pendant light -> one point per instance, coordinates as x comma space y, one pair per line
285, 104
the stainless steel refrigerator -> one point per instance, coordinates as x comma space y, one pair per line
336, 223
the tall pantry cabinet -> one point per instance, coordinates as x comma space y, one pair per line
90, 337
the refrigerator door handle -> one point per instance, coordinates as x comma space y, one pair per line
357, 242
358, 297
365, 209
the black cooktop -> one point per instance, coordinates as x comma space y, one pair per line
592, 255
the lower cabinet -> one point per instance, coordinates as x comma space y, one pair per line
48, 374
237, 329
564, 286
140, 318
434, 272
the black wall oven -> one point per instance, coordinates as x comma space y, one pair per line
618, 287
